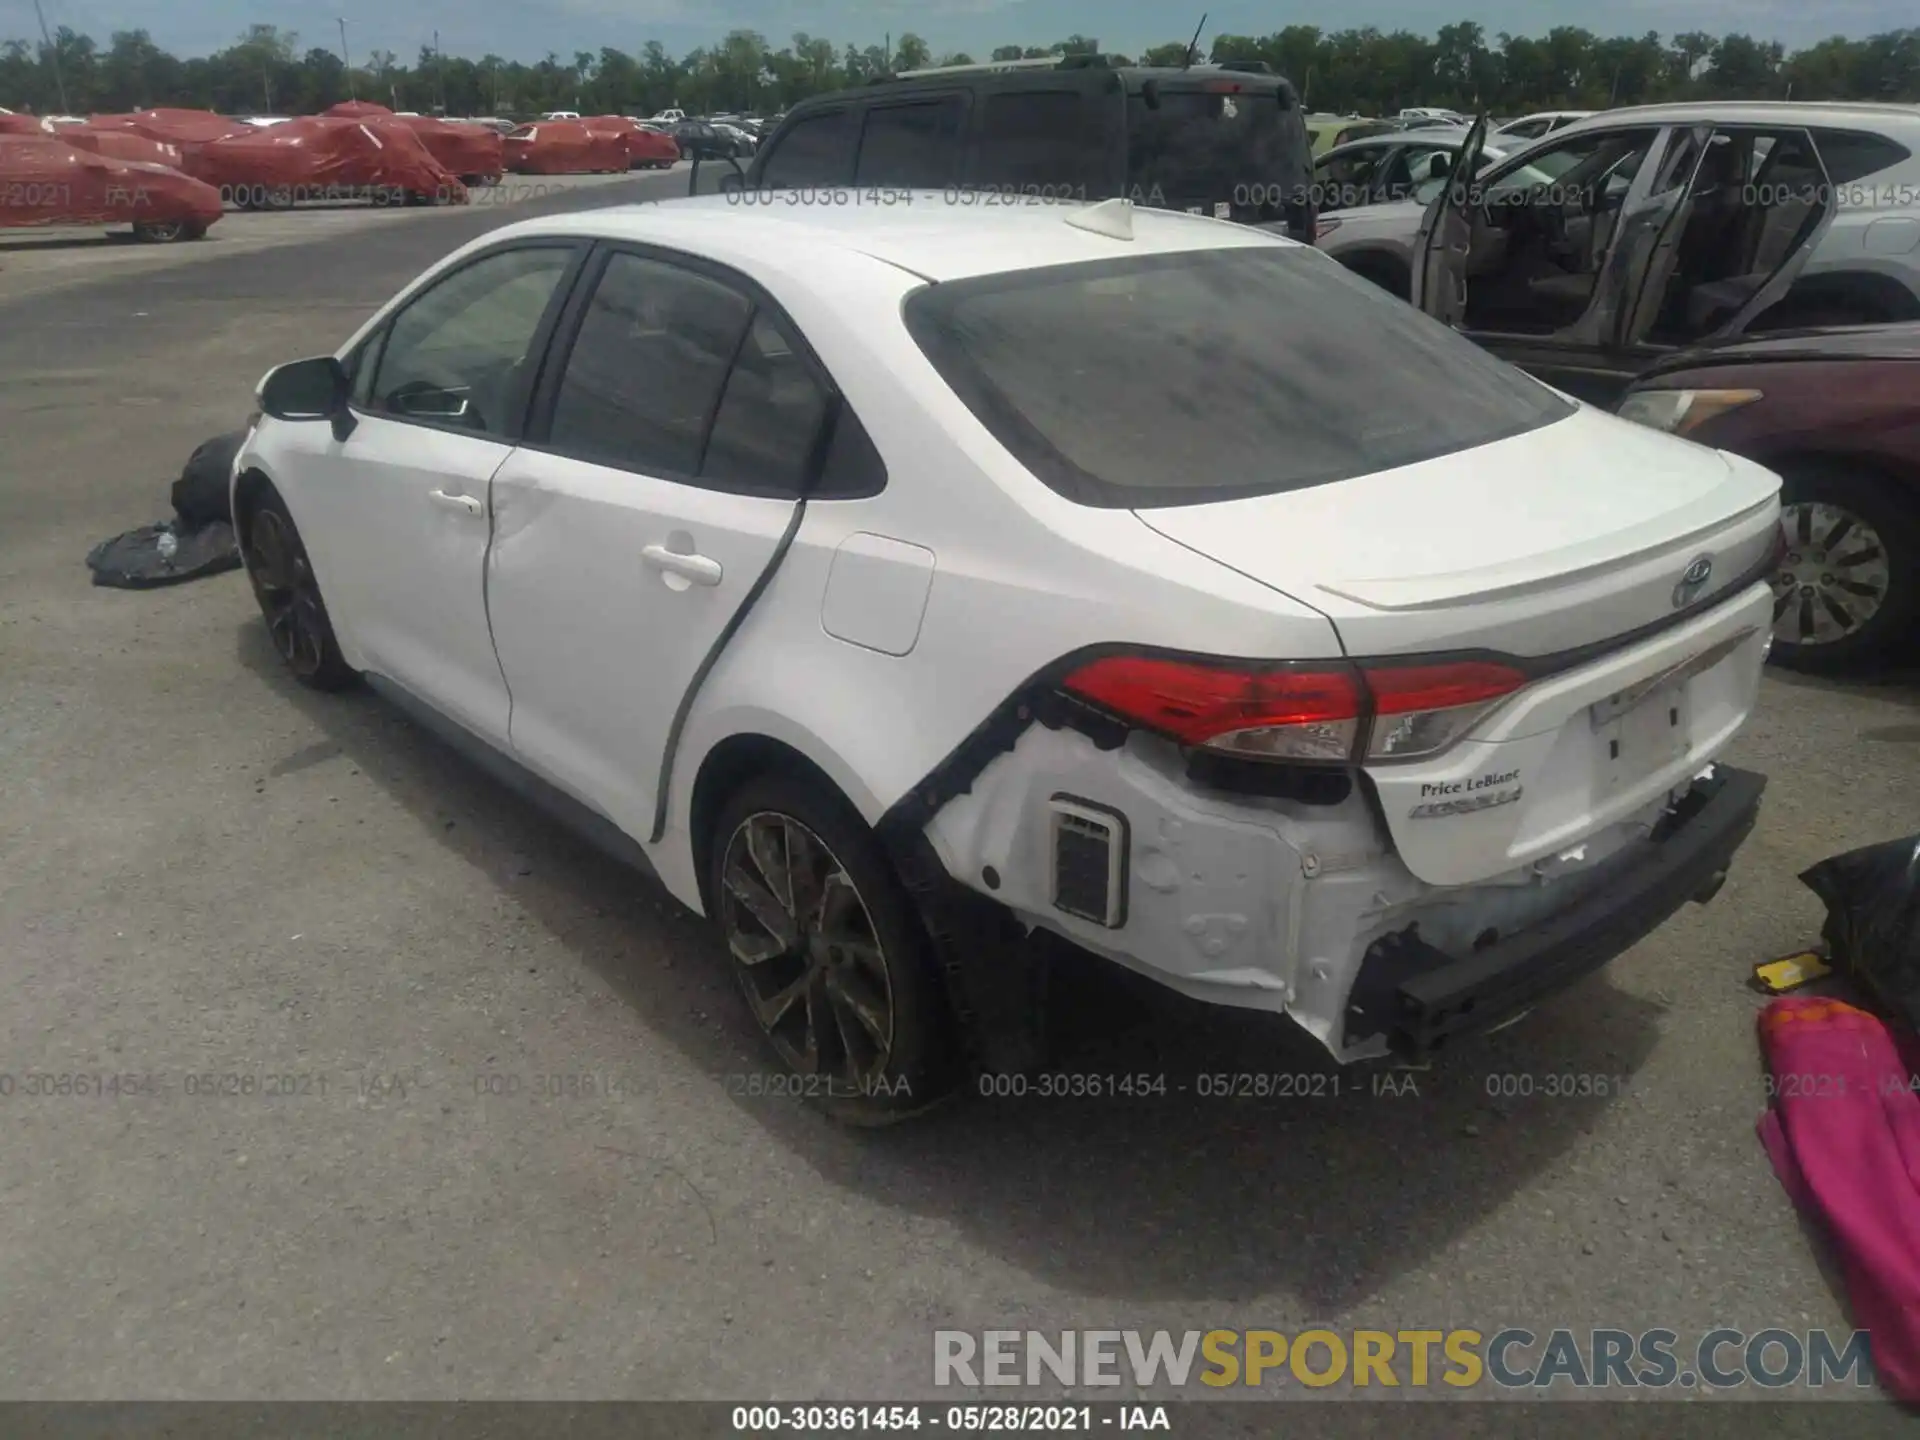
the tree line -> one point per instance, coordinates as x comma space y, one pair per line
1367, 71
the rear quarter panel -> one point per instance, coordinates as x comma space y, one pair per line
1021, 577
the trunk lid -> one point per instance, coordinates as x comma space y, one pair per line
1566, 536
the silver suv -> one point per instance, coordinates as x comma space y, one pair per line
1621, 238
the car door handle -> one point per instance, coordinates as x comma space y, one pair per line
466, 504
697, 568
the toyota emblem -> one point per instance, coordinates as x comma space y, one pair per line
1692, 581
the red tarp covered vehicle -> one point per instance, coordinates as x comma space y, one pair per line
173, 127
114, 144
322, 157
564, 147
45, 181
646, 149
121, 145
185, 130
472, 152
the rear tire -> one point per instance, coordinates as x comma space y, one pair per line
166, 232
1849, 590
288, 593
829, 951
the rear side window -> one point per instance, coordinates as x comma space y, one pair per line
646, 368
1037, 138
1854, 155
769, 416
1213, 374
816, 150
915, 144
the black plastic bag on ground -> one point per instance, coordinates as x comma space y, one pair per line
201, 493
164, 554
1872, 932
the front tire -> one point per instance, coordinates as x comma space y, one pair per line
829, 951
1848, 591
288, 593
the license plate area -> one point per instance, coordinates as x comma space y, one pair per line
1647, 725
1639, 732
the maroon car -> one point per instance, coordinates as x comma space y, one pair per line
1837, 414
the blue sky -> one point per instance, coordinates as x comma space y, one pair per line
527, 29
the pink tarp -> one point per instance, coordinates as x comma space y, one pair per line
1843, 1133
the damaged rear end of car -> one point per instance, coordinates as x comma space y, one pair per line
1549, 628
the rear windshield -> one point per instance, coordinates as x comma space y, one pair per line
1202, 148
1212, 374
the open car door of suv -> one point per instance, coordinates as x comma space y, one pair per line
1445, 238
1756, 207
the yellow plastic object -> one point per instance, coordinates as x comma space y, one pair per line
1790, 972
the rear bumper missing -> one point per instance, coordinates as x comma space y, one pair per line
1420, 996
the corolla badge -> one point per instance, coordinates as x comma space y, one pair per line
1692, 581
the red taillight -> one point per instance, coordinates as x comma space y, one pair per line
1400, 689
1315, 712
1222, 87
1299, 712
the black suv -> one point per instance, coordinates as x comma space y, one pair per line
1222, 140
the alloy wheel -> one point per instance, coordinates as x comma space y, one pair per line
811, 961
289, 595
1834, 578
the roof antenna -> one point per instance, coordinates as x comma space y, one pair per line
1194, 44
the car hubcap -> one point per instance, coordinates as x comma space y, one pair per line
1834, 578
811, 963
169, 230
289, 597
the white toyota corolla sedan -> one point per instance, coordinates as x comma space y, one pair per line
908, 582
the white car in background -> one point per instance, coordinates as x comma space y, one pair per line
1373, 193
897, 582
1544, 122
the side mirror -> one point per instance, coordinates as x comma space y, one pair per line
305, 390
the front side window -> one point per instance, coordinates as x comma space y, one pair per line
1213, 374
456, 355
816, 150
646, 368
1343, 181
912, 146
